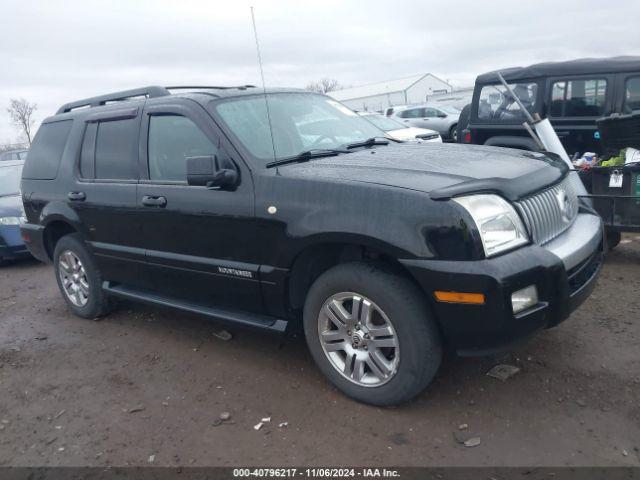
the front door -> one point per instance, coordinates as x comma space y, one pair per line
198, 241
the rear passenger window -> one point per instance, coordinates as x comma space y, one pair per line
578, 98
632, 95
46, 152
116, 150
173, 138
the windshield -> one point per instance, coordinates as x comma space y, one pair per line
384, 123
300, 122
10, 180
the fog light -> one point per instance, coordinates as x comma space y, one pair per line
525, 298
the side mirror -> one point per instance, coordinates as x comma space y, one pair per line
208, 172
442, 115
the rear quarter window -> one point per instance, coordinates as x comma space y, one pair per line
46, 152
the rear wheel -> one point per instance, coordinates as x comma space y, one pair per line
371, 333
453, 133
78, 277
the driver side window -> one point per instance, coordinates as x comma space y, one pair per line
430, 112
172, 139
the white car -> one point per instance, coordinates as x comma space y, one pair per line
399, 131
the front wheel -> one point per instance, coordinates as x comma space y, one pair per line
371, 333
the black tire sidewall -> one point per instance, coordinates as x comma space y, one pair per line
97, 302
418, 337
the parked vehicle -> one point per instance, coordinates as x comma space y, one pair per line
304, 214
397, 130
11, 214
14, 155
572, 95
442, 119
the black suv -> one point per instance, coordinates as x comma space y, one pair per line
571, 94
282, 208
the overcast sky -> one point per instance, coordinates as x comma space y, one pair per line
56, 51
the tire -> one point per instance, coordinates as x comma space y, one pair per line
396, 302
613, 238
453, 133
90, 301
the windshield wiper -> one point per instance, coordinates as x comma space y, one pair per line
307, 155
370, 142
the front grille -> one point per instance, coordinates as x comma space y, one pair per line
549, 213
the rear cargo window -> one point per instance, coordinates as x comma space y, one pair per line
116, 152
632, 95
578, 98
46, 152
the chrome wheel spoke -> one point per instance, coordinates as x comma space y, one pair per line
381, 331
361, 310
337, 314
389, 342
378, 364
335, 346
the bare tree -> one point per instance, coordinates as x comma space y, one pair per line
21, 113
324, 85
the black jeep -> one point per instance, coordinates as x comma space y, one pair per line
571, 94
281, 208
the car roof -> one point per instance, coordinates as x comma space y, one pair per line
581, 66
134, 97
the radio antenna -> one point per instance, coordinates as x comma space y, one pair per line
264, 87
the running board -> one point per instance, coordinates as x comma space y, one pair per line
245, 319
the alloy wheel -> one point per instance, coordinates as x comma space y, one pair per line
73, 278
358, 339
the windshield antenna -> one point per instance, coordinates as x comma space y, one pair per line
264, 87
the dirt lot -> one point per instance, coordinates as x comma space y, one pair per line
145, 382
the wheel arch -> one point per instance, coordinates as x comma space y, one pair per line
55, 229
318, 257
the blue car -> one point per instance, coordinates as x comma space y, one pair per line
11, 212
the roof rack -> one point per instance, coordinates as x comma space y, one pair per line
201, 87
147, 92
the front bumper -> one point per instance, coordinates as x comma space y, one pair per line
564, 272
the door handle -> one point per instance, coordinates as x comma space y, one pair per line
153, 201
77, 196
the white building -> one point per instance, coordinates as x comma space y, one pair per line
403, 91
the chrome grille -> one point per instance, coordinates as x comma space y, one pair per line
549, 213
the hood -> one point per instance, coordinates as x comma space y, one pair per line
442, 170
410, 133
11, 206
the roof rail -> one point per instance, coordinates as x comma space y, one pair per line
148, 92
181, 87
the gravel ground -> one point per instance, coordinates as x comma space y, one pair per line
146, 384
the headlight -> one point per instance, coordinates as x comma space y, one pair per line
11, 220
499, 225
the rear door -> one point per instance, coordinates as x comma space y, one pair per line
199, 242
574, 104
103, 193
